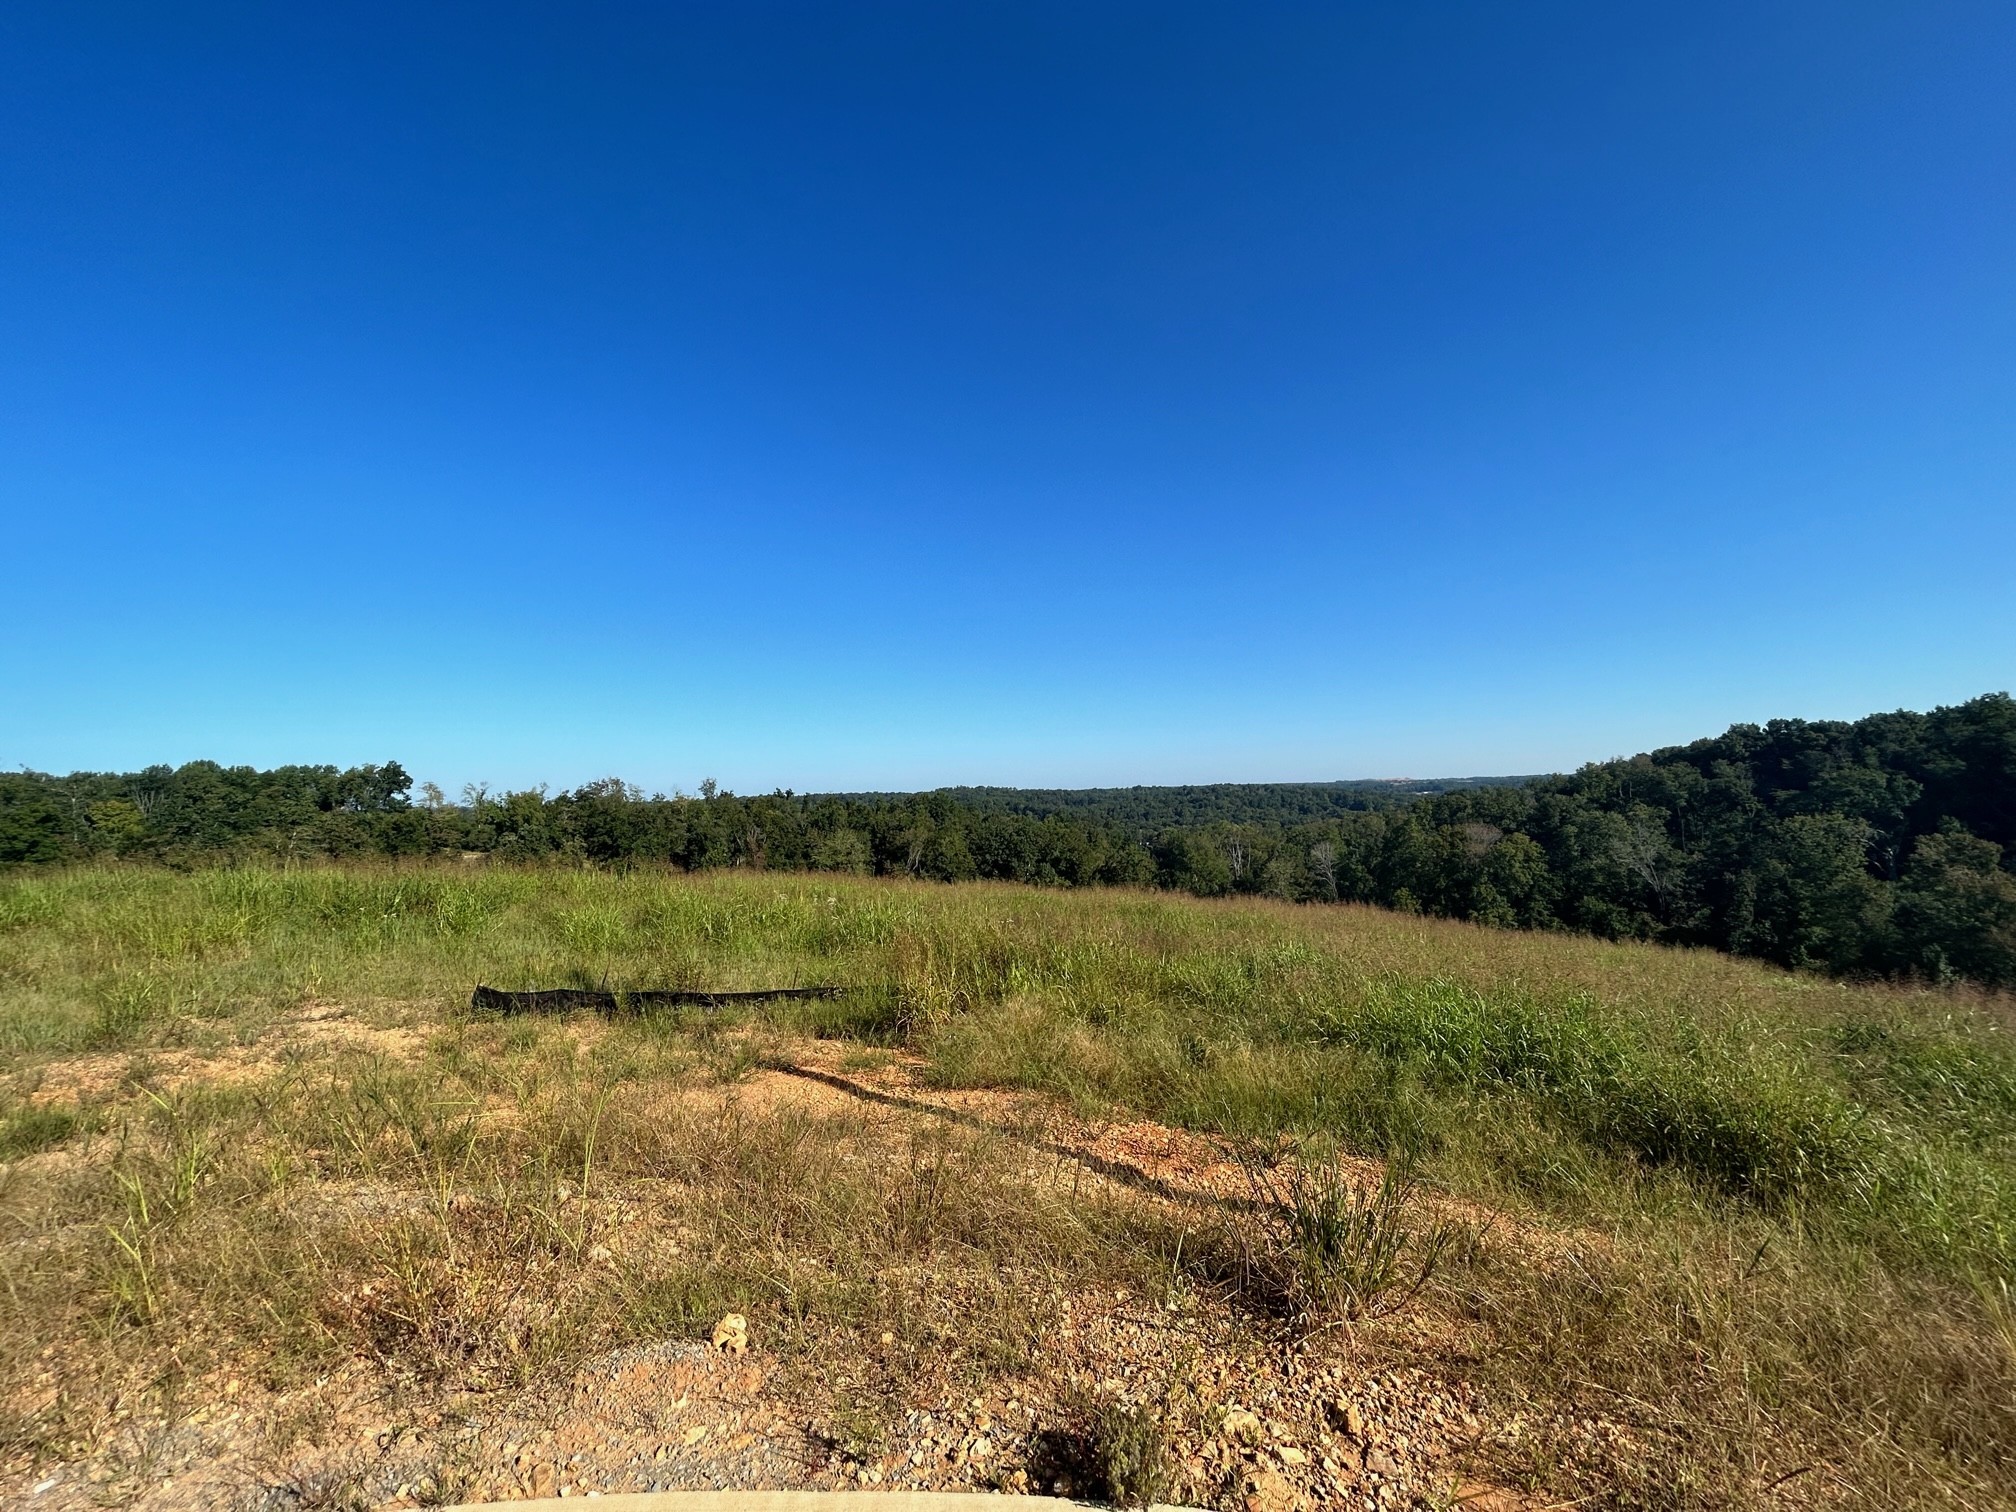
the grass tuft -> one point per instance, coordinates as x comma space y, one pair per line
1342, 1248
32, 1128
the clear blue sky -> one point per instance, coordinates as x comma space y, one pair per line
886, 396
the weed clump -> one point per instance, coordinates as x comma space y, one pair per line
1116, 1451
1339, 1246
1130, 1451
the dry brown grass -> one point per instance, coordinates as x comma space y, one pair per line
515, 1201
251, 1136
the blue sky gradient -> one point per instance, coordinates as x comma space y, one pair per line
887, 396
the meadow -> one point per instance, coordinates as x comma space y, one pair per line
1794, 1199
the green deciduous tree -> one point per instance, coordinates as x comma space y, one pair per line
1957, 908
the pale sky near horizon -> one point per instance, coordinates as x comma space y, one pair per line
888, 396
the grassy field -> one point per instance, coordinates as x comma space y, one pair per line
1800, 1196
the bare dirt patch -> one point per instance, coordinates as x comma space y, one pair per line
318, 1028
914, 1388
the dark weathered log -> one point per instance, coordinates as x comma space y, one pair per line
568, 999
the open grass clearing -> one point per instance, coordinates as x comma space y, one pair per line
1753, 1232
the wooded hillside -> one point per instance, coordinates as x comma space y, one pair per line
1878, 846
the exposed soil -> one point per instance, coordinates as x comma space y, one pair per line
316, 1028
1260, 1416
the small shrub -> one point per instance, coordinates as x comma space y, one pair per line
1131, 1453
340, 1488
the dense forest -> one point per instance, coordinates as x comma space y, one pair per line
1882, 846
1145, 811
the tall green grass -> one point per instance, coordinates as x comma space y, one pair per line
1548, 1067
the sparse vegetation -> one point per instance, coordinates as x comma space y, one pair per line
1132, 1453
26, 1129
1761, 1221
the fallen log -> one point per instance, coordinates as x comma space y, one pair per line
570, 999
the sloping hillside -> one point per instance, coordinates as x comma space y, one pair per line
1247, 1204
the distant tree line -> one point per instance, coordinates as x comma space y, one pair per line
202, 810
1146, 811
1883, 846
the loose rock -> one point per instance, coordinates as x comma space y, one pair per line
1241, 1426
731, 1334
1268, 1492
